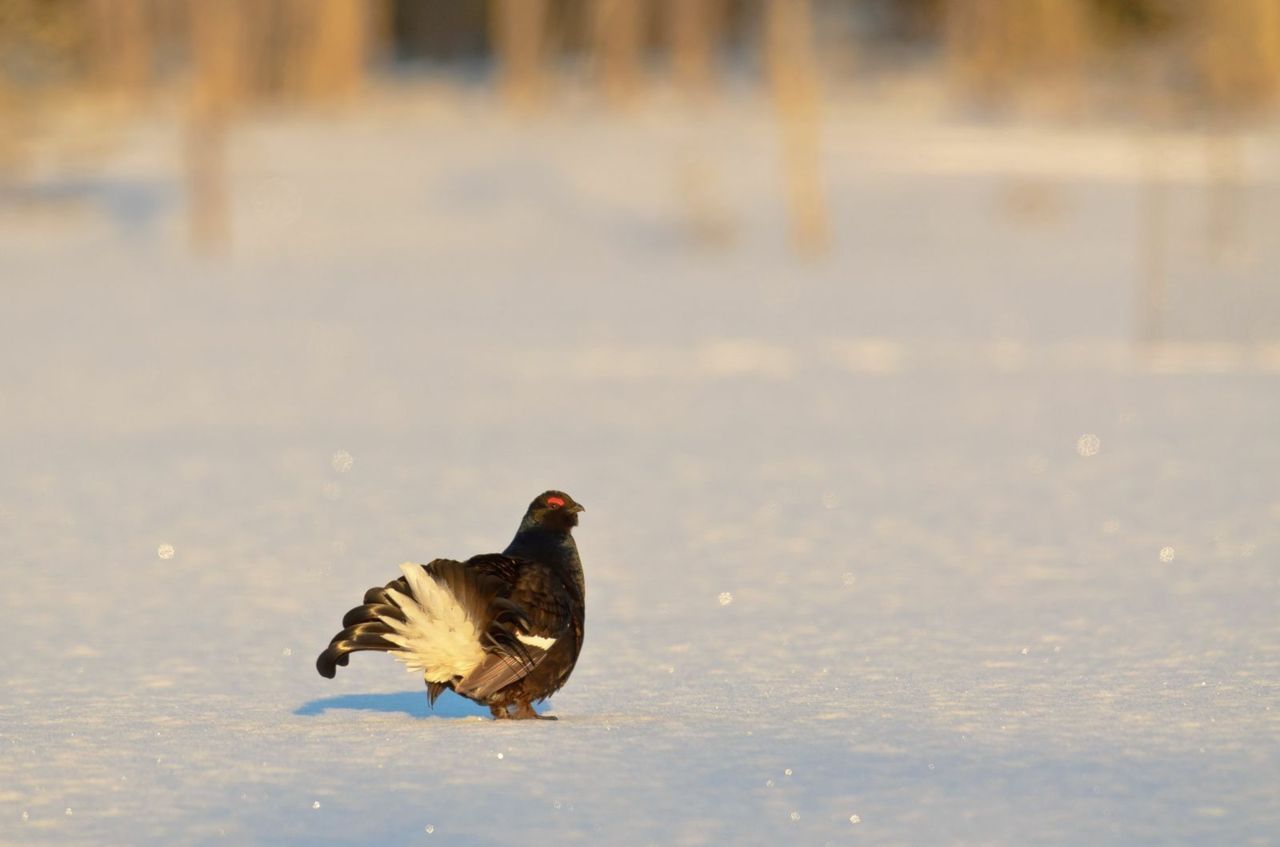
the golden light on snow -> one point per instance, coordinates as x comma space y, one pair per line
1166, 554
725, 598
165, 551
342, 461
1088, 444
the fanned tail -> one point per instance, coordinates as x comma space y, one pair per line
364, 628
444, 620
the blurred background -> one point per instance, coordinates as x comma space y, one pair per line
916, 360
247, 125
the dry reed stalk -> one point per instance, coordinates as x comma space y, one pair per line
692, 27
1153, 221
793, 78
41, 48
1225, 163
1239, 61
220, 74
217, 38
617, 32
335, 47
1054, 35
519, 30
1059, 38
122, 36
1159, 109
975, 42
1239, 53
995, 45
10, 113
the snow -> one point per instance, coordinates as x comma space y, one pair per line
880, 547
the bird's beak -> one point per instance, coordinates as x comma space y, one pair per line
577, 507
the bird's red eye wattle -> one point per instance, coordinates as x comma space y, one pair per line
555, 502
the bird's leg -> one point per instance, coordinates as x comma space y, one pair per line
499, 712
524, 711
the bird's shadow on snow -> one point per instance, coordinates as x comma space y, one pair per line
412, 703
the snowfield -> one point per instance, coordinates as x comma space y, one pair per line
912, 544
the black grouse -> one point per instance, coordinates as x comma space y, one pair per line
502, 629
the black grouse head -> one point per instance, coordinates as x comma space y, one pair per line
552, 510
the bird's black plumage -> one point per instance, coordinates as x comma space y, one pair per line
503, 629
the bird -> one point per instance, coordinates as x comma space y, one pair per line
501, 629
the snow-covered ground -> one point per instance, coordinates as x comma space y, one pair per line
908, 545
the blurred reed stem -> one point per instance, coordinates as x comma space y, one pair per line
10, 145
1225, 164
1153, 243
122, 38
1157, 106
1239, 53
518, 35
331, 46
793, 80
218, 83
692, 29
1239, 60
617, 32
996, 47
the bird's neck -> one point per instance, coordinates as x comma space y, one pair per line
554, 547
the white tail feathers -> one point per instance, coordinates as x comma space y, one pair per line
437, 637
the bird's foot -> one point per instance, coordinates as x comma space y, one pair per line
499, 713
525, 712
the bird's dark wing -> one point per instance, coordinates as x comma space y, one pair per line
542, 594
553, 607
553, 633
497, 566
